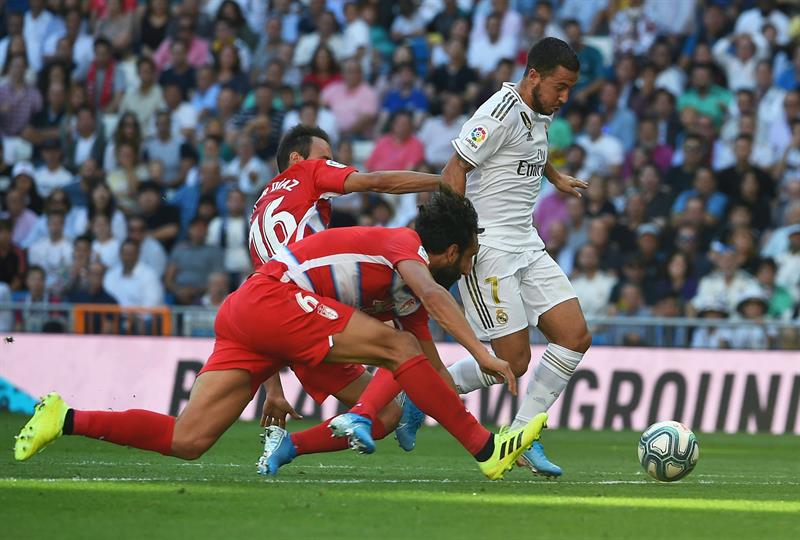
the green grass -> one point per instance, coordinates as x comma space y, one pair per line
743, 487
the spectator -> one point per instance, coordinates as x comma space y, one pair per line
630, 304
151, 251
705, 188
788, 167
38, 25
230, 71
268, 46
592, 285
12, 258
550, 208
101, 201
453, 77
486, 51
510, 20
204, 100
128, 130
105, 80
404, 95
190, 265
210, 186
51, 174
78, 276
632, 30
19, 101
679, 280
740, 65
657, 197
409, 22
247, 170
6, 317
23, 219
132, 282
231, 235
59, 202
145, 100
712, 337
95, 293
752, 307
163, 220
620, 121
780, 298
151, 26
743, 241
780, 132
309, 95
105, 248
789, 263
79, 44
705, 97
53, 253
201, 323
680, 177
49, 121
590, 77
399, 149
230, 11
165, 148
180, 72
604, 153
353, 101
323, 69
326, 34
727, 282
88, 141
33, 315
125, 178
198, 51
437, 132
753, 20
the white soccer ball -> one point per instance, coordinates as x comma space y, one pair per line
668, 451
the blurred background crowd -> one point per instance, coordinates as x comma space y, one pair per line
136, 136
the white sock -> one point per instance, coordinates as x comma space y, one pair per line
548, 381
468, 376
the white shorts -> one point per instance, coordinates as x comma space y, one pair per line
507, 291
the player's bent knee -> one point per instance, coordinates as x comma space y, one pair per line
403, 346
190, 448
519, 366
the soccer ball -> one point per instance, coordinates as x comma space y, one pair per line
668, 451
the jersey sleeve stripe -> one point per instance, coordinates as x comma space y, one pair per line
505, 110
461, 153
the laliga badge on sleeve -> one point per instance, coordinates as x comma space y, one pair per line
476, 137
336, 164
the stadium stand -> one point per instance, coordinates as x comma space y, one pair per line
136, 136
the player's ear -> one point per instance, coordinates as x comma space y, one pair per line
533, 76
295, 157
453, 253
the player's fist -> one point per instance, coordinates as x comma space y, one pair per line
276, 408
498, 368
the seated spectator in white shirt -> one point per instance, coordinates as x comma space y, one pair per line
485, 53
53, 253
712, 337
326, 34
325, 119
146, 98
231, 234
105, 248
51, 174
151, 251
592, 285
133, 282
727, 282
165, 147
604, 153
437, 132
57, 201
752, 306
190, 264
247, 170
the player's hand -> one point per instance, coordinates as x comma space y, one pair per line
569, 185
498, 368
275, 410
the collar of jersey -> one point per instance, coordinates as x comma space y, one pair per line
513, 87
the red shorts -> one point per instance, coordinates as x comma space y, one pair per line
325, 380
267, 324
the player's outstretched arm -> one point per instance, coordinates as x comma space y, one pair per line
564, 182
444, 309
455, 172
396, 182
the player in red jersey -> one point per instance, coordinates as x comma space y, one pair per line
296, 204
300, 309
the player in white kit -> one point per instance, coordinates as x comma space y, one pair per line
501, 160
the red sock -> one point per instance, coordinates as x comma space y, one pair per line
318, 439
137, 428
426, 388
380, 391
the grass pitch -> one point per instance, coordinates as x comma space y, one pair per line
743, 487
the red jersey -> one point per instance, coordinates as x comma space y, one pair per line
295, 204
358, 267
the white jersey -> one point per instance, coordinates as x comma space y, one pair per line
506, 142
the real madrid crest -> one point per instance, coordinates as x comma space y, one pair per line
526, 120
501, 316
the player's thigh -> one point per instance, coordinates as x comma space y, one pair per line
216, 401
324, 380
492, 296
366, 340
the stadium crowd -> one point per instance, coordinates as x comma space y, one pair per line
136, 136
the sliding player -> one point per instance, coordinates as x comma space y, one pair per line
300, 308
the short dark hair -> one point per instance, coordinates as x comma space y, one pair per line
449, 218
298, 139
145, 60
548, 54
768, 261
35, 268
